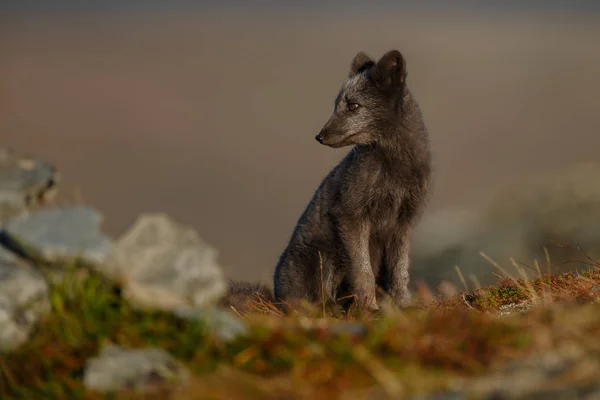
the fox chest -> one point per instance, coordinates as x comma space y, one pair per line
391, 208
388, 198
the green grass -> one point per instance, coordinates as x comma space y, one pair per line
418, 350
85, 314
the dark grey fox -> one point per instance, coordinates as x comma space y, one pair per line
358, 224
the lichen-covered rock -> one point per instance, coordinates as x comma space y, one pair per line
23, 300
60, 235
165, 265
117, 368
24, 183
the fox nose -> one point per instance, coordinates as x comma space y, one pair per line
319, 138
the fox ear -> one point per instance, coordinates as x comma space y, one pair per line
360, 62
390, 70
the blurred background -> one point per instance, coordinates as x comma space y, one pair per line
207, 110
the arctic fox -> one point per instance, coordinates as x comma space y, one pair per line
355, 233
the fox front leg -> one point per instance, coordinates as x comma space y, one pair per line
355, 239
397, 270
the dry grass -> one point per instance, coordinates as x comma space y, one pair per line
314, 353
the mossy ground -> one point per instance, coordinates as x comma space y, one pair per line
423, 349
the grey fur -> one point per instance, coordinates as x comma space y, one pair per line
361, 217
241, 295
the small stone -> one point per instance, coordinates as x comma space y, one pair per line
224, 325
117, 368
60, 235
352, 329
165, 265
7, 256
24, 183
23, 301
448, 290
509, 309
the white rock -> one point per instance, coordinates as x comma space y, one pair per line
117, 368
24, 182
165, 265
60, 235
23, 301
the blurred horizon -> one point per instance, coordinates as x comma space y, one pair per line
544, 6
208, 110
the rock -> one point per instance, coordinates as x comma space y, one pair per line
117, 368
559, 210
222, 324
351, 329
568, 372
512, 308
24, 183
23, 301
165, 265
60, 235
7, 256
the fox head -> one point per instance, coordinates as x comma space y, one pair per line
370, 100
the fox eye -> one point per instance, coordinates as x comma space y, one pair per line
352, 106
